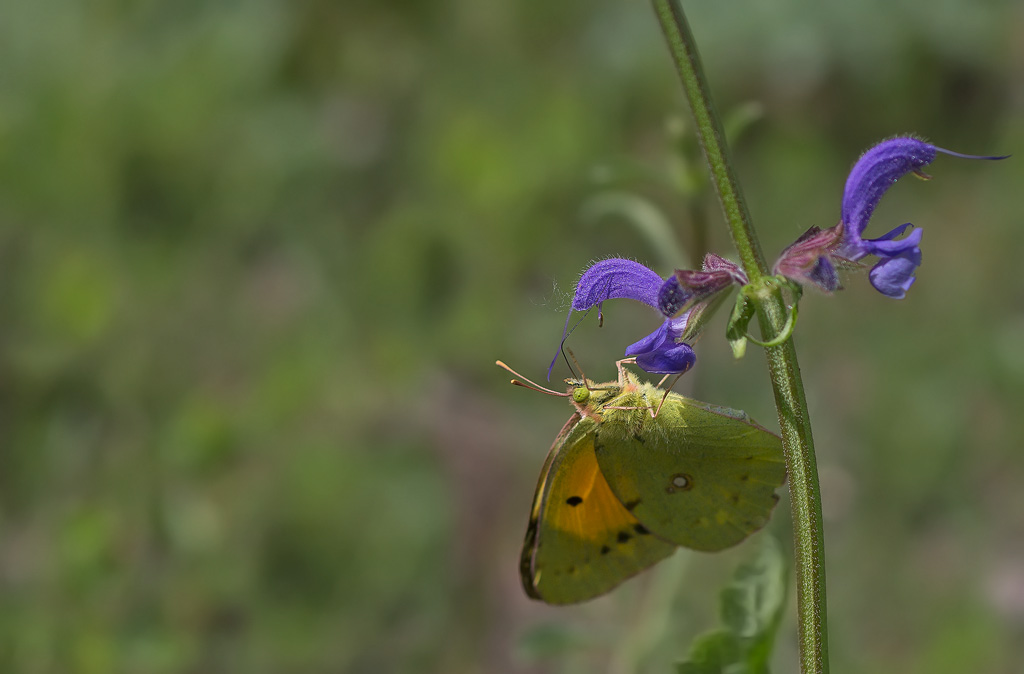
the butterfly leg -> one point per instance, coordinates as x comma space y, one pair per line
654, 413
620, 366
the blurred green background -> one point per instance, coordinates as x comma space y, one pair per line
257, 260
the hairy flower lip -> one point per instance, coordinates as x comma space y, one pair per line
615, 278
685, 299
873, 174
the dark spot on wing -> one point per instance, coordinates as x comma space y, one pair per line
623, 537
631, 504
640, 529
638, 437
744, 478
735, 498
679, 482
574, 501
605, 549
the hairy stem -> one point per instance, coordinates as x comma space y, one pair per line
805, 496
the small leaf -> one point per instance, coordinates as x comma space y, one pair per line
751, 607
718, 652
752, 602
736, 330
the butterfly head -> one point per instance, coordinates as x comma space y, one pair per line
587, 397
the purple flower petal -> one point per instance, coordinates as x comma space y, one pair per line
659, 353
675, 360
888, 245
893, 276
614, 278
611, 279
809, 259
874, 173
651, 342
824, 275
688, 287
672, 297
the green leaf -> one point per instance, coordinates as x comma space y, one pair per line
717, 652
736, 330
752, 604
751, 608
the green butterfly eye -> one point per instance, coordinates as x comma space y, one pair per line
581, 394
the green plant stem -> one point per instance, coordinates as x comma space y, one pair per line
804, 492
805, 495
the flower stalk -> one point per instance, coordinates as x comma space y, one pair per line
805, 497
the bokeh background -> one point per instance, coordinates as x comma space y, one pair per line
257, 260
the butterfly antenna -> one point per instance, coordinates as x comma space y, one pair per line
526, 383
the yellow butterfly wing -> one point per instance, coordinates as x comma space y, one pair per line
700, 476
581, 542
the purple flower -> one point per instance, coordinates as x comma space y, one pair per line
688, 287
682, 299
812, 259
877, 170
815, 256
662, 351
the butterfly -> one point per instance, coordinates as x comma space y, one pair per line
636, 472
